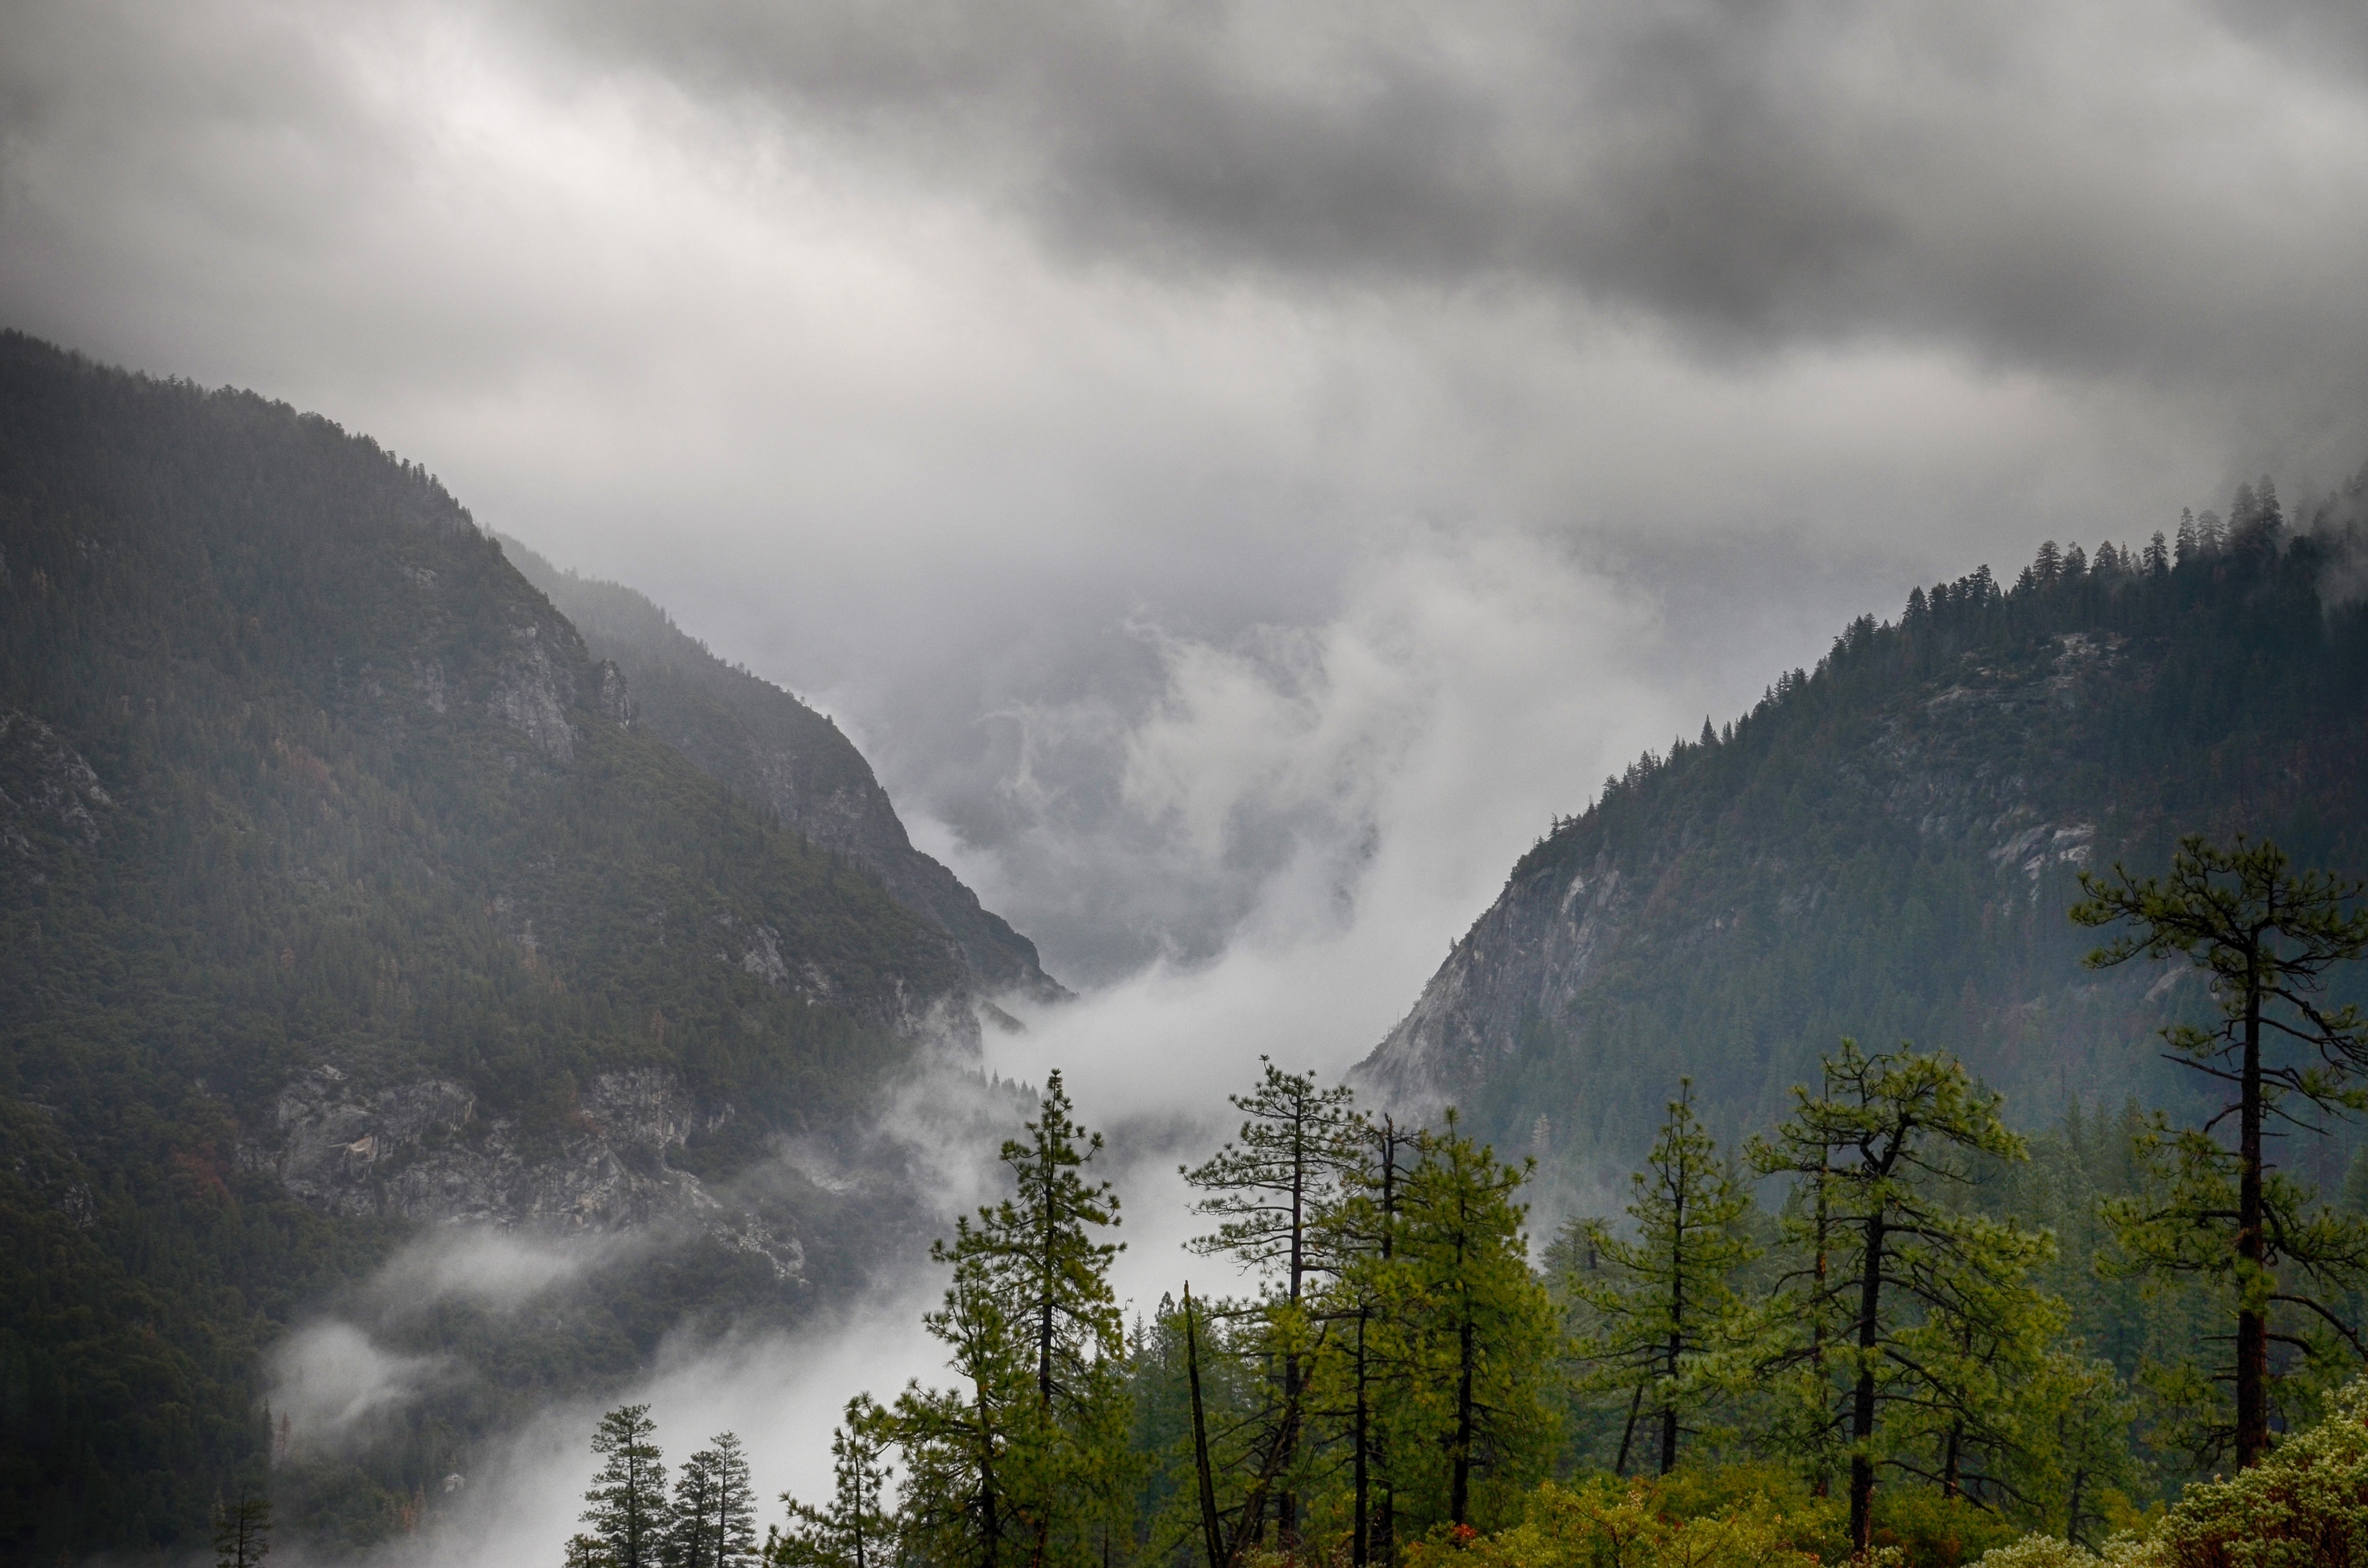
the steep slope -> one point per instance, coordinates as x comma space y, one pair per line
338, 895
1886, 847
773, 751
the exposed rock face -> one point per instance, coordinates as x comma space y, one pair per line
532, 693
418, 1151
615, 702
1960, 767
774, 751
49, 796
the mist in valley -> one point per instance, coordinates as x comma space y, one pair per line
1240, 477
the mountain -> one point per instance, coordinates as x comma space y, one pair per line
774, 752
343, 898
1886, 847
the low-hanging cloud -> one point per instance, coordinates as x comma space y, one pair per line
331, 1382
1290, 787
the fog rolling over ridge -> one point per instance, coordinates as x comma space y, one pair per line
762, 578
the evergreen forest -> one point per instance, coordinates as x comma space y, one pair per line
1916, 1121
321, 835
1885, 845
1888, 1328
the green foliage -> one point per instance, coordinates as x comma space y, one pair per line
2267, 939
1272, 1189
1664, 1300
966, 1448
1029, 1454
243, 1530
629, 1513
1905, 1318
855, 1530
2306, 1503
2303, 1505
1609, 1523
1470, 1339
713, 1521
328, 782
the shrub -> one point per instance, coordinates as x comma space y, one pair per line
1605, 1523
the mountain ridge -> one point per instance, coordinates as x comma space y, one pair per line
774, 752
341, 896
1884, 846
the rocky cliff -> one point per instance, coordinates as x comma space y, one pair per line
342, 896
1886, 847
773, 751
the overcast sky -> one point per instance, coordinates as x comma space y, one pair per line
1238, 469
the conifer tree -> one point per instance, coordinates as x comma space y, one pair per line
691, 1523
629, 1513
1367, 1305
243, 1530
1268, 1189
1031, 1286
1666, 1298
2083, 1417
1476, 1332
2266, 936
714, 1512
959, 1443
855, 1530
1902, 1312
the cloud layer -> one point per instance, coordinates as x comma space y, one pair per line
1110, 412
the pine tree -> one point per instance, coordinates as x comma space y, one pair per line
2084, 1412
584, 1552
629, 1513
713, 1517
1663, 1299
1031, 1279
958, 1444
1475, 1329
1268, 1189
1902, 1315
243, 1530
854, 1530
1368, 1304
2267, 938
691, 1519
1040, 1250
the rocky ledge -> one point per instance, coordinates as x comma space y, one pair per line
419, 1152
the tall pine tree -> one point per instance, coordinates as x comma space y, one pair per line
629, 1513
1476, 1335
1268, 1189
855, 1530
1662, 1297
1903, 1310
2266, 936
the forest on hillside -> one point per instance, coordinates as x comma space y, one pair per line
303, 788
1882, 846
1887, 1328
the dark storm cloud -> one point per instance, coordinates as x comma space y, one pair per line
2078, 187
1017, 377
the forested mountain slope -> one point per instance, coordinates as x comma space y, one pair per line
338, 895
1886, 847
773, 751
